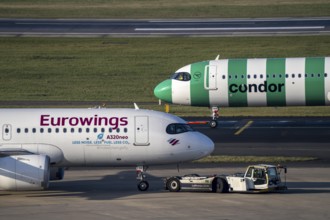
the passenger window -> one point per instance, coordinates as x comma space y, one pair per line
261, 76
110, 130
80, 130
223, 77
57, 130
87, 130
293, 75
72, 130
34, 130
18, 130
125, 130
102, 130
41, 130
299, 75
26, 130
118, 130
64, 130
325, 75
249, 76
49, 130
95, 130
242, 76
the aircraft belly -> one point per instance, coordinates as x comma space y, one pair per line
96, 155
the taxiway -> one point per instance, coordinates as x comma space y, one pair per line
164, 27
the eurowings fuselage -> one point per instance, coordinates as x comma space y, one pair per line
37, 144
101, 137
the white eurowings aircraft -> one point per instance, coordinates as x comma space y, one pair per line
37, 144
303, 81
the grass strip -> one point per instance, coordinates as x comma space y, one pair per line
123, 70
150, 9
127, 70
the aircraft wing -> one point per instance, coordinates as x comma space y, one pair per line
13, 151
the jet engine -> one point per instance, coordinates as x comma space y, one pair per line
56, 173
24, 172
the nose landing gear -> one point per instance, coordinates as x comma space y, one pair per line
143, 185
215, 116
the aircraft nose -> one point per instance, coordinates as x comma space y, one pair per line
163, 91
204, 145
207, 145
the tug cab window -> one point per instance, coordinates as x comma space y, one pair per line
181, 76
178, 128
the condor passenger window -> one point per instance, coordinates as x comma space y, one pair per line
178, 128
181, 76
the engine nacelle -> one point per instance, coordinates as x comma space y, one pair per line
24, 172
56, 173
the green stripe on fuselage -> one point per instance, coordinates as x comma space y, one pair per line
237, 68
314, 85
275, 71
199, 95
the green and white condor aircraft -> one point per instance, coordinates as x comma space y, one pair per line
217, 83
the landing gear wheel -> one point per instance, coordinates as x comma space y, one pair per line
143, 186
173, 185
213, 124
215, 115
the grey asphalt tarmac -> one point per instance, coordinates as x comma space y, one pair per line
164, 27
112, 194
271, 136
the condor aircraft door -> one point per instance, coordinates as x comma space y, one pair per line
6, 132
210, 77
141, 131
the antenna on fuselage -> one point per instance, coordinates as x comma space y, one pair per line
136, 106
217, 58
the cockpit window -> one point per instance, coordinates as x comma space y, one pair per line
181, 76
178, 128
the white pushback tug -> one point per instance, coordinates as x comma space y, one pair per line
257, 178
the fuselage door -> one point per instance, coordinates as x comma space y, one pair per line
6, 132
141, 131
210, 77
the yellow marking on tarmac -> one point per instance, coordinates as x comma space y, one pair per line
244, 127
